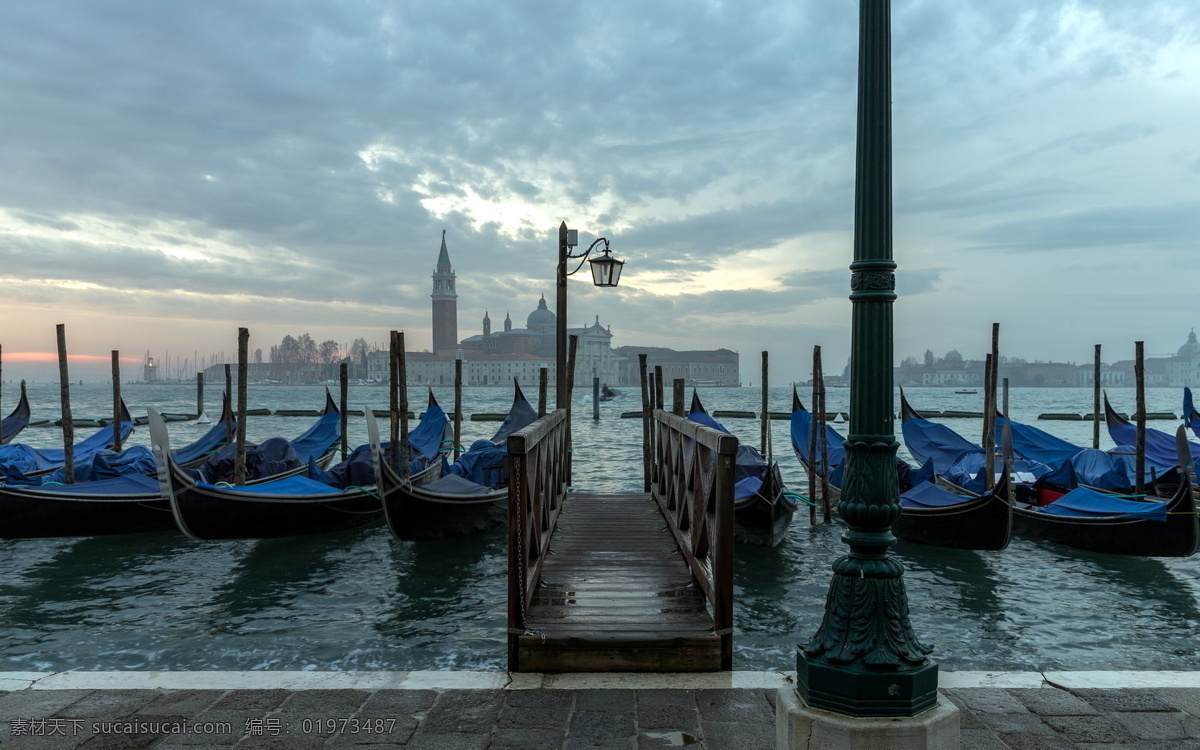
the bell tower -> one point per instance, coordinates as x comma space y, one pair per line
445, 304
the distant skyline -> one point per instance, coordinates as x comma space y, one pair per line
172, 171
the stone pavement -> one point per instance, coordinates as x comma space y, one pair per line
309, 710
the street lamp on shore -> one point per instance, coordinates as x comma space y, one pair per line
865, 659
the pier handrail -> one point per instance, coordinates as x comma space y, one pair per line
537, 486
693, 486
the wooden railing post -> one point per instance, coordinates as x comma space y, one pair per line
537, 486
693, 487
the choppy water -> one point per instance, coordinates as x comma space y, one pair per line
359, 600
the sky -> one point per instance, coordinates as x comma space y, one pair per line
170, 172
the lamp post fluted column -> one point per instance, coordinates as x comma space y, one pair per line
865, 659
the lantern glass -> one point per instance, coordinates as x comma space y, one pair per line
606, 270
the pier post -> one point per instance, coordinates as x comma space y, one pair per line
458, 382
116, 377
677, 393
595, 398
865, 659
239, 460
1096, 400
199, 394
647, 407
64, 390
343, 392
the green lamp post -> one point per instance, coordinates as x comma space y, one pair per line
865, 660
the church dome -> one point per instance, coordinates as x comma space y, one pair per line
1192, 347
541, 318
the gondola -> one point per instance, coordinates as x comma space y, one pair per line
290, 506
21, 461
832, 453
17, 420
1162, 452
932, 511
1190, 416
762, 506
122, 504
1088, 520
608, 394
472, 494
945, 516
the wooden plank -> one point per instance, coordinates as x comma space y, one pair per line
615, 594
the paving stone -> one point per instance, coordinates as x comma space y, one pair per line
1090, 728
623, 701
967, 717
527, 739
1015, 723
464, 712
57, 734
108, 704
37, 704
395, 703
237, 721
1154, 726
683, 718
534, 717
981, 739
252, 700
600, 743
556, 699
455, 741
601, 724
1185, 699
666, 698
989, 701
325, 704
1124, 699
1052, 702
747, 735
181, 702
734, 705
1039, 742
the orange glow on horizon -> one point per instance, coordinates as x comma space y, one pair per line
53, 357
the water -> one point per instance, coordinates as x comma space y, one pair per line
359, 600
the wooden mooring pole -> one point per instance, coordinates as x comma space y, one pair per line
1096, 400
458, 385
571, 349
543, 387
116, 378
344, 393
230, 429
68, 426
1139, 452
765, 428
812, 440
239, 462
199, 394
659, 387
595, 398
394, 398
647, 452
402, 380
677, 395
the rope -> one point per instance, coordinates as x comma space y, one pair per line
799, 498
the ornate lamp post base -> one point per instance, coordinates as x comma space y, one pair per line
861, 692
799, 727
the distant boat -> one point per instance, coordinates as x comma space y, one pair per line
967, 391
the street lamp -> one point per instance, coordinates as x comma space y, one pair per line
865, 659
606, 271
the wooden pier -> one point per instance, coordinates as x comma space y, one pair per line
626, 582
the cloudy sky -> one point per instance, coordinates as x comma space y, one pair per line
172, 171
